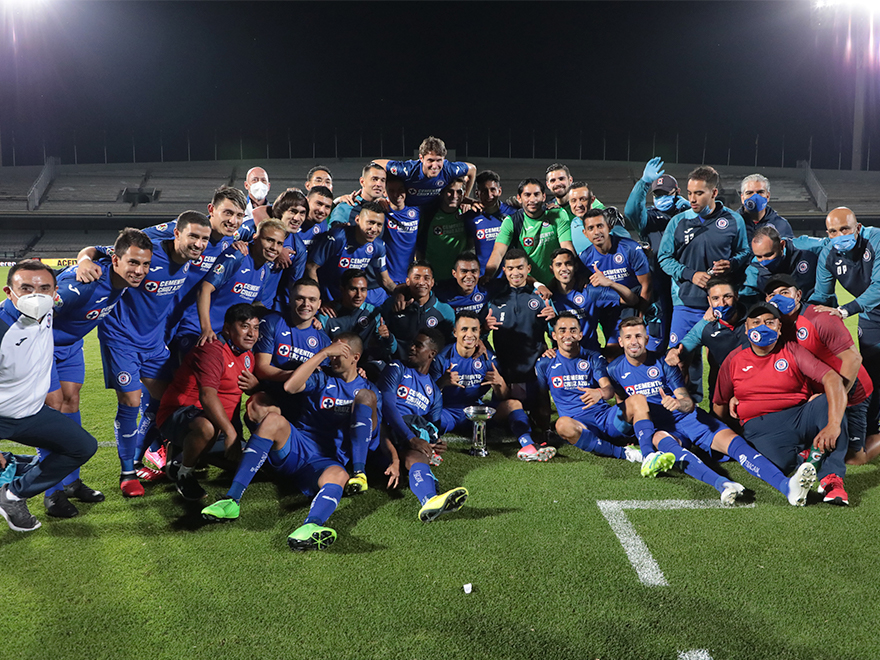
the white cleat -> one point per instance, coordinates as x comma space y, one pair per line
633, 454
800, 484
732, 491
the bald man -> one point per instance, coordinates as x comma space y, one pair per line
850, 258
257, 185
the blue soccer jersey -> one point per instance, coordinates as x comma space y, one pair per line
406, 392
422, 189
622, 264
562, 377
276, 290
287, 345
337, 251
235, 279
80, 307
484, 227
401, 229
471, 374
584, 304
650, 379
309, 235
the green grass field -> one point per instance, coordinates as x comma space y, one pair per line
146, 579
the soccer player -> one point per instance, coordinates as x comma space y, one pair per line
351, 246
411, 405
428, 175
768, 387
319, 175
776, 256
401, 229
463, 292
26, 350
578, 381
291, 209
79, 308
335, 428
422, 310
580, 202
132, 336
754, 191
320, 200
372, 190
538, 232
443, 234
826, 337
558, 180
465, 375
643, 376
256, 183
707, 240
198, 407
611, 260
238, 278
484, 224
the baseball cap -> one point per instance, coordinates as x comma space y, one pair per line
781, 279
763, 308
666, 183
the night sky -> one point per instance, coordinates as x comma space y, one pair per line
572, 72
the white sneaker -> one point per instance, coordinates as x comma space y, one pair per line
633, 454
800, 484
731, 492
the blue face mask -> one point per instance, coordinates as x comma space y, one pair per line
785, 304
844, 242
709, 210
755, 204
664, 203
769, 263
723, 312
763, 336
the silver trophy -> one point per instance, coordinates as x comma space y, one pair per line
479, 415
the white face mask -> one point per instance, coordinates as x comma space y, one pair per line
34, 305
258, 191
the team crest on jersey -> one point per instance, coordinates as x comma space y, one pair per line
438, 231
432, 321
556, 381
345, 262
413, 191
219, 268
866, 256
394, 169
440, 183
618, 258
57, 302
328, 402
151, 286
237, 287
803, 267
362, 321
247, 361
579, 299
481, 234
528, 241
262, 274
162, 227
123, 378
198, 262
802, 333
722, 223
369, 249
391, 224
780, 365
583, 365
411, 214
653, 372
630, 390
478, 297
429, 390
224, 245
545, 224
284, 350
312, 342
95, 313
402, 391
478, 364
534, 304
673, 338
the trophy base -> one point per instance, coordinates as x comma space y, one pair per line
481, 452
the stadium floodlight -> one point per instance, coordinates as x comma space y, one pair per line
869, 5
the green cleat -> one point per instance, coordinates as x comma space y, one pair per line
357, 484
222, 511
311, 537
451, 500
657, 462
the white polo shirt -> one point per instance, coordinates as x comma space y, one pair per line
26, 355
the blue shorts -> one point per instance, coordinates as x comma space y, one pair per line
125, 365
301, 459
696, 428
69, 365
606, 421
683, 319
451, 418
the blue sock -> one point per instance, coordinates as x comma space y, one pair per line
324, 504
519, 425
361, 432
74, 417
645, 435
691, 465
252, 459
755, 462
588, 441
125, 429
422, 482
148, 434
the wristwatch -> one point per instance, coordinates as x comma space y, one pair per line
843, 312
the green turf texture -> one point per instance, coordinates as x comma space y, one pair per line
146, 578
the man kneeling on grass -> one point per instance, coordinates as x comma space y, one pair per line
198, 406
337, 425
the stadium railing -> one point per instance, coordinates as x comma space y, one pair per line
812, 183
41, 185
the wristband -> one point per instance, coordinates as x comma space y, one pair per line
843, 312
83, 258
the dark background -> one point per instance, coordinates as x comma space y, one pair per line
567, 79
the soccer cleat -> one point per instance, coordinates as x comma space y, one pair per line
80, 491
731, 492
800, 483
311, 537
657, 462
190, 489
222, 511
832, 487
546, 452
58, 506
147, 473
156, 459
451, 500
17, 514
435, 460
172, 468
529, 453
633, 454
357, 484
130, 486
